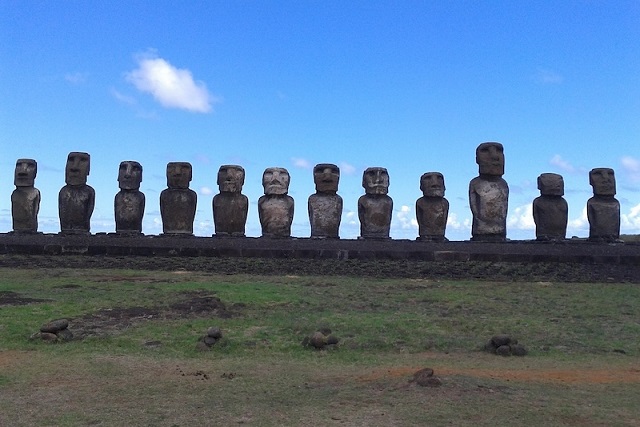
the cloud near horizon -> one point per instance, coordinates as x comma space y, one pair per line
562, 164
631, 166
172, 87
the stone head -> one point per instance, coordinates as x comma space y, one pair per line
326, 177
551, 184
77, 168
179, 175
25, 174
603, 181
275, 181
129, 175
230, 178
432, 184
490, 158
375, 181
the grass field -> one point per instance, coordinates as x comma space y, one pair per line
134, 361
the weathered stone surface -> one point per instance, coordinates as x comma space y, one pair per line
489, 194
48, 337
65, 335
432, 209
230, 206
25, 199
518, 350
275, 208
325, 206
503, 350
550, 210
201, 346
500, 340
318, 340
332, 339
129, 203
55, 326
178, 202
603, 209
375, 207
76, 200
209, 340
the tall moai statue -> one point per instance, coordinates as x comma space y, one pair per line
603, 209
275, 208
25, 199
375, 207
550, 209
178, 202
76, 200
325, 206
489, 195
432, 209
129, 202
230, 206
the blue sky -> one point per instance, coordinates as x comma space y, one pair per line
413, 86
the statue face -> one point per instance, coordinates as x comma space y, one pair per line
326, 177
25, 174
77, 168
178, 174
230, 178
375, 181
432, 184
551, 184
275, 181
490, 158
603, 181
130, 175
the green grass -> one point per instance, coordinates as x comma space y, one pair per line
387, 328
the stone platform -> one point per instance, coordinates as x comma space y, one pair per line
568, 251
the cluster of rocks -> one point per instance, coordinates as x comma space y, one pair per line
504, 345
320, 339
54, 331
425, 378
206, 342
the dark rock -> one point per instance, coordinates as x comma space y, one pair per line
503, 350
490, 347
48, 337
500, 340
55, 326
518, 350
332, 340
65, 335
214, 332
208, 340
318, 340
201, 346
424, 378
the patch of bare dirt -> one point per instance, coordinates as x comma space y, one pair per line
13, 298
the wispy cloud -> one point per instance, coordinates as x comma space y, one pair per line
631, 166
125, 99
406, 219
206, 191
346, 168
172, 87
547, 77
301, 163
562, 164
76, 78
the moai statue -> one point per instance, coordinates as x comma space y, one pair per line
25, 199
230, 206
325, 206
489, 195
432, 209
129, 202
603, 210
76, 199
178, 201
275, 208
375, 207
550, 209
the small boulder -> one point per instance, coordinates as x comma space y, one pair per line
55, 326
318, 340
518, 350
503, 350
64, 335
48, 337
500, 340
214, 332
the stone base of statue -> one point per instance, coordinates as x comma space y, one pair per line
436, 238
489, 238
224, 234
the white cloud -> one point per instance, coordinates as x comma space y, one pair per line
578, 225
76, 78
547, 77
562, 164
406, 219
631, 166
172, 87
521, 218
630, 222
454, 223
125, 99
301, 163
346, 168
206, 191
